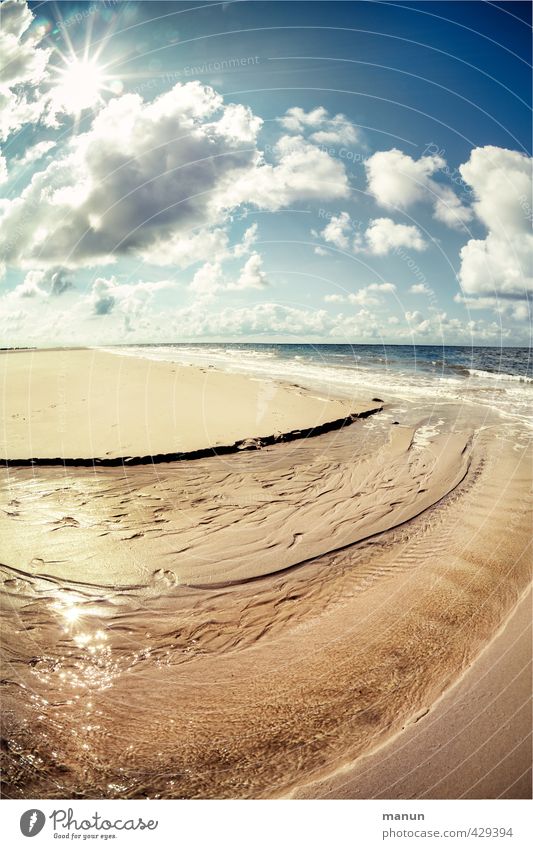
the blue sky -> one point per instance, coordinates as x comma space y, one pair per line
337, 172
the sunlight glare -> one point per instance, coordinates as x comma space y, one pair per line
80, 86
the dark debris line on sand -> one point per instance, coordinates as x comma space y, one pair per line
247, 444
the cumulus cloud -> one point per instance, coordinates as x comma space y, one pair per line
37, 283
501, 263
22, 60
381, 236
145, 174
30, 286
128, 303
59, 281
130, 298
384, 235
365, 296
142, 170
300, 171
518, 310
24, 63
324, 129
420, 289
210, 278
184, 249
338, 231
102, 297
207, 280
370, 295
34, 153
252, 275
449, 209
396, 180
417, 322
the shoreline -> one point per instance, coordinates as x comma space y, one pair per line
322, 593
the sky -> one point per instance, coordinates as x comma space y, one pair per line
352, 172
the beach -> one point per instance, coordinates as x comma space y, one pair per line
83, 404
317, 617
469, 745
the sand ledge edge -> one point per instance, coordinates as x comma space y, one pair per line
249, 443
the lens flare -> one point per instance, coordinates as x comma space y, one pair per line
80, 86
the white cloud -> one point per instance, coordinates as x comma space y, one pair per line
238, 124
24, 64
132, 299
325, 130
418, 323
497, 264
420, 289
183, 249
370, 295
449, 209
384, 235
37, 283
30, 287
102, 297
382, 287
210, 278
301, 171
22, 60
114, 311
34, 153
338, 231
143, 171
501, 180
518, 310
398, 181
207, 280
252, 275
147, 174
502, 262
366, 296
381, 236
248, 240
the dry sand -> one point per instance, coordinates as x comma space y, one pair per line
252, 624
94, 404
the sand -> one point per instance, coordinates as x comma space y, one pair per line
473, 743
93, 404
317, 618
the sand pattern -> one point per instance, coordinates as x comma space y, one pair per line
241, 626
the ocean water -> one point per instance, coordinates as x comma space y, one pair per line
499, 378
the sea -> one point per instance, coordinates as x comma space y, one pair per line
494, 377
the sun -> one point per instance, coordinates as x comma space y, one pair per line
79, 86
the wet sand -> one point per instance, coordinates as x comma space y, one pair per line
249, 625
473, 743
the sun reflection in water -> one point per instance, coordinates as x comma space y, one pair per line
89, 663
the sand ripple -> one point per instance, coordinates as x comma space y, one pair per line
237, 627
